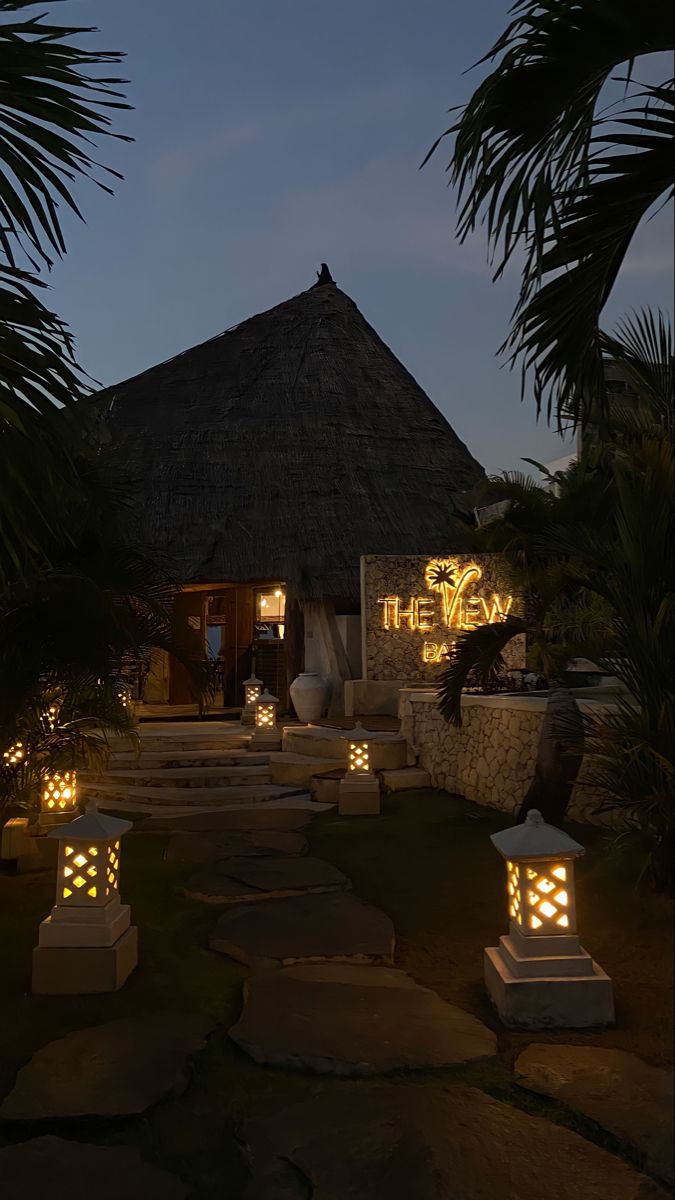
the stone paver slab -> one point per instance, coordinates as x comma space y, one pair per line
245, 880
618, 1090
56, 1168
346, 1020
199, 848
422, 1142
335, 926
117, 1069
247, 819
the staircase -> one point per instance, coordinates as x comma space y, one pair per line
186, 765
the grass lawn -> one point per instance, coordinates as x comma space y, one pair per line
427, 861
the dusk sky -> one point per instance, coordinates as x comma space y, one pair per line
271, 135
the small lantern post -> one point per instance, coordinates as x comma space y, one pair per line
252, 690
359, 793
87, 944
539, 976
266, 735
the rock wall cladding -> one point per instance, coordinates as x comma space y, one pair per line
490, 760
413, 607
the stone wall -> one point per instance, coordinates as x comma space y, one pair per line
404, 613
490, 760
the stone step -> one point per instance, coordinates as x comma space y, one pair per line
187, 758
298, 769
403, 778
387, 751
188, 777
206, 797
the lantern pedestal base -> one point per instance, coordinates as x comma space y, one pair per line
556, 999
66, 928
359, 797
265, 740
81, 971
247, 718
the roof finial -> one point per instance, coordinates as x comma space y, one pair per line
323, 276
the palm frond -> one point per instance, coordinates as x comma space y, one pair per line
477, 654
537, 163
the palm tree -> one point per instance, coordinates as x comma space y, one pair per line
552, 173
540, 574
628, 565
52, 110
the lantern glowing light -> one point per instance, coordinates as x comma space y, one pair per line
266, 735
565, 988
58, 796
266, 711
358, 760
252, 690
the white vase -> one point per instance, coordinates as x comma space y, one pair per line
309, 695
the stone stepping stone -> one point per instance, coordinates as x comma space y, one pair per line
345, 1020
622, 1093
198, 848
218, 822
55, 1167
243, 880
424, 1142
335, 926
112, 1070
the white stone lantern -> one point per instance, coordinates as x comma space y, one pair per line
87, 944
266, 735
539, 976
252, 690
58, 798
359, 792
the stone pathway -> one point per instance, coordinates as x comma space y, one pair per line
267, 843
112, 1070
246, 880
336, 927
245, 819
622, 1093
345, 1020
423, 1142
325, 999
52, 1167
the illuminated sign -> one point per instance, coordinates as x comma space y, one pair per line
461, 605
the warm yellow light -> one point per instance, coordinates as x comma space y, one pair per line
15, 754
79, 860
265, 716
359, 757
535, 899
59, 791
278, 593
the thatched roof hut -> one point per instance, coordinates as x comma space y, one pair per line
287, 447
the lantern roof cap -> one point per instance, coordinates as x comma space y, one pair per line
266, 697
91, 826
359, 734
534, 838
252, 681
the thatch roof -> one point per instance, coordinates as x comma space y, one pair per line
287, 447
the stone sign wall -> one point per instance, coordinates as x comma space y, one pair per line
413, 607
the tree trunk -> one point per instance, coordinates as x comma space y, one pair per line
559, 756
